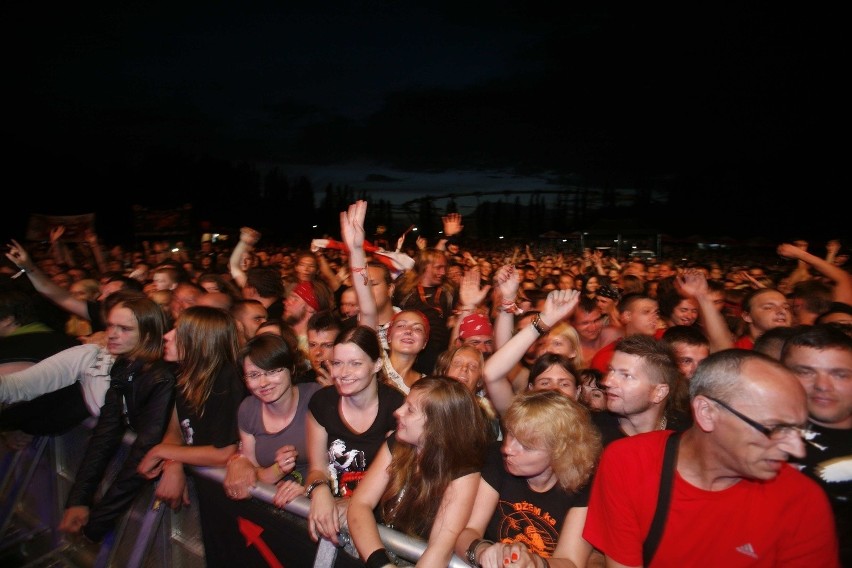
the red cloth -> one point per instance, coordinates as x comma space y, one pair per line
475, 324
368, 248
305, 290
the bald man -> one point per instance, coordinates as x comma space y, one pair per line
735, 500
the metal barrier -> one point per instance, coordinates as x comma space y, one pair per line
34, 485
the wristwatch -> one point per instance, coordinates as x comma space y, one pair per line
309, 491
471, 551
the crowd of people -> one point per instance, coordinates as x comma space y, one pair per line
513, 408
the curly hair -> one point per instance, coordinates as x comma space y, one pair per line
548, 420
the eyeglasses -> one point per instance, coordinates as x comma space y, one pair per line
258, 374
775, 433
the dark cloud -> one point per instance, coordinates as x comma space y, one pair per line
735, 101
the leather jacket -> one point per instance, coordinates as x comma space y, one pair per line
140, 397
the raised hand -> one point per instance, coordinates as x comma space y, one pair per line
558, 304
790, 251
352, 224
452, 224
506, 280
249, 236
470, 293
692, 283
56, 233
19, 255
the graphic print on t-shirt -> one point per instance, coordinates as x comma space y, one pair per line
345, 467
526, 523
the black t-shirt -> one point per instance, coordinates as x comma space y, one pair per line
523, 515
827, 455
350, 453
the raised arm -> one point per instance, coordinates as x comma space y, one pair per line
97, 252
44, 285
557, 306
248, 238
507, 284
452, 226
60, 252
352, 233
470, 296
842, 280
693, 283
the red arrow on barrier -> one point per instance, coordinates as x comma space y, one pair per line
252, 533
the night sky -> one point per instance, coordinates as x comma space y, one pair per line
722, 118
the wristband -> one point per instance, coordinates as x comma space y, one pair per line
310, 490
512, 308
471, 551
540, 326
362, 270
378, 559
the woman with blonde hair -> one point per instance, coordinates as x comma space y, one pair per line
562, 339
533, 495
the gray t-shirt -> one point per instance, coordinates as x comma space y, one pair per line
267, 443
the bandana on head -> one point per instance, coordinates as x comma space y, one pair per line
422, 316
305, 290
475, 324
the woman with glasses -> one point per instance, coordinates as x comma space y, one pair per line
346, 426
271, 421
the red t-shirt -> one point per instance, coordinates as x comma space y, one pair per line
601, 359
783, 522
744, 342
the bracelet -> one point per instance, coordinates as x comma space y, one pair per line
471, 550
512, 308
310, 490
378, 559
539, 326
362, 270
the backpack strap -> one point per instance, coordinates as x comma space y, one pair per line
664, 497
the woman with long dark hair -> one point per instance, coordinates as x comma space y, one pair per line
424, 478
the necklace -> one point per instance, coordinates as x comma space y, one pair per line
663, 422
